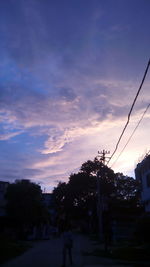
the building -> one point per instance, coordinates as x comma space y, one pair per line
142, 173
49, 202
3, 189
47, 199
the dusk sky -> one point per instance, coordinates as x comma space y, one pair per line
69, 71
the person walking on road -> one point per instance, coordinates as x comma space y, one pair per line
67, 241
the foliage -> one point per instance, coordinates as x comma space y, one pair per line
142, 231
80, 193
10, 249
131, 254
59, 192
24, 203
127, 253
91, 167
126, 187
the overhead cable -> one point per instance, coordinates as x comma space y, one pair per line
129, 114
131, 135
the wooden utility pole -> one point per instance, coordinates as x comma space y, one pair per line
103, 155
100, 174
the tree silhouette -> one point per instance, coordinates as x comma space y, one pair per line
79, 195
24, 204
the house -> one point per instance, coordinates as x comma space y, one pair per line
48, 201
142, 173
3, 189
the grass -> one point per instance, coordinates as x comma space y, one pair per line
11, 249
131, 253
94, 237
122, 253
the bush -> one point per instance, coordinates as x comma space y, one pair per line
10, 249
142, 232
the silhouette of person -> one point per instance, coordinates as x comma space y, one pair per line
67, 241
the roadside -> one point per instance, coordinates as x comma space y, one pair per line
95, 256
10, 249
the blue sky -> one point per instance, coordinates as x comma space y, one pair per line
69, 72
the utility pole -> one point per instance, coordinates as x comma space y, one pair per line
100, 174
103, 155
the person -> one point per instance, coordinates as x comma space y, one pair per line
67, 241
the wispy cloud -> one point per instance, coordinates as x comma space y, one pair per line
7, 136
69, 74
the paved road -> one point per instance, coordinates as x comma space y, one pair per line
49, 254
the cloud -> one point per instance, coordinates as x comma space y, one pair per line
7, 136
57, 141
65, 89
62, 163
69, 114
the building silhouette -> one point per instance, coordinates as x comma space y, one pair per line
142, 173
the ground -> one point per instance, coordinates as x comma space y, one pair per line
48, 253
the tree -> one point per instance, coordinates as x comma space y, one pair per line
127, 188
79, 195
24, 203
91, 167
125, 202
82, 188
60, 193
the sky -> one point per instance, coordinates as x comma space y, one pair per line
69, 71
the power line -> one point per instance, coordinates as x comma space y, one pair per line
129, 114
131, 134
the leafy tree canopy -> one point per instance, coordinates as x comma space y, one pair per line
81, 190
24, 202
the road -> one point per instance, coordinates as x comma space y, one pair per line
48, 253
